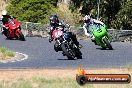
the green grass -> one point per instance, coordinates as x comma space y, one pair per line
42, 82
57, 83
18, 84
23, 84
10, 53
3, 50
6, 53
53, 82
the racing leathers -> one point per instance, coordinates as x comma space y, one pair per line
4, 20
64, 26
86, 28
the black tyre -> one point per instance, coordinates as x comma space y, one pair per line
81, 80
79, 56
6, 33
21, 36
68, 52
108, 44
78, 53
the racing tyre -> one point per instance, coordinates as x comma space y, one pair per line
6, 33
78, 53
108, 44
68, 52
21, 36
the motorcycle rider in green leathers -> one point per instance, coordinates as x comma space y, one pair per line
89, 21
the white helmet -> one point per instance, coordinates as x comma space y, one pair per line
4, 12
86, 19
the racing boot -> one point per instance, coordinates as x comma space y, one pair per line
79, 46
94, 42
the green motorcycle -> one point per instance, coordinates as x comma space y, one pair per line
102, 37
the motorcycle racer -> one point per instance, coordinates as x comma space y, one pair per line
89, 21
11, 27
5, 19
54, 22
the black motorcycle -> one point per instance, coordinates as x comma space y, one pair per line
64, 43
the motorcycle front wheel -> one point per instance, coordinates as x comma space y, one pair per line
68, 52
7, 34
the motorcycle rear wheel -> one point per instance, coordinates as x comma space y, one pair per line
78, 53
107, 44
67, 53
21, 36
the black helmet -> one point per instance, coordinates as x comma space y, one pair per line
53, 19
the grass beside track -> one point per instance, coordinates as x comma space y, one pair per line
54, 78
6, 53
42, 82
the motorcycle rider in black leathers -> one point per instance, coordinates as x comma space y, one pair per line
54, 22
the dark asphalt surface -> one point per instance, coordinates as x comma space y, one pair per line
42, 55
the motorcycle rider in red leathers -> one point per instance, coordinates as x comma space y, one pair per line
5, 19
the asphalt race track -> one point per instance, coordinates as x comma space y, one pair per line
42, 55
